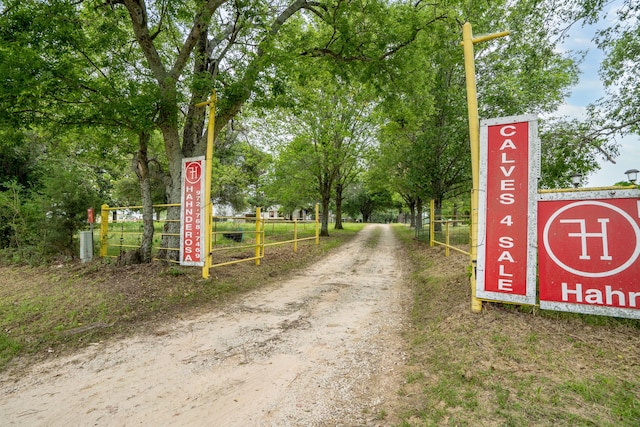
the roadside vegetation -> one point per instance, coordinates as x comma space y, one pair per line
357, 106
54, 309
510, 365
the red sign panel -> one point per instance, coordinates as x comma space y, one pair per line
589, 254
508, 184
192, 212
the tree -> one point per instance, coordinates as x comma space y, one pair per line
65, 196
135, 67
363, 200
239, 170
20, 219
330, 136
44, 218
523, 73
424, 134
127, 191
235, 47
291, 182
182, 50
568, 147
543, 79
618, 113
77, 69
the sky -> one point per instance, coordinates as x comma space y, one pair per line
588, 90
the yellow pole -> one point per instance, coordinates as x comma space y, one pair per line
432, 222
295, 235
446, 250
258, 229
474, 140
104, 230
208, 211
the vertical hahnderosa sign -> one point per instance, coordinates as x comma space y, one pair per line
509, 165
192, 241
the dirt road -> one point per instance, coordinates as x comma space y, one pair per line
321, 349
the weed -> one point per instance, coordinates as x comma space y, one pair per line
373, 239
9, 347
173, 271
382, 414
414, 376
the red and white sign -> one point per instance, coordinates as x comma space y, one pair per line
589, 254
506, 269
192, 215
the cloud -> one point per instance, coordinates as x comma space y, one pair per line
572, 111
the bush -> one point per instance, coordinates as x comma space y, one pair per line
43, 223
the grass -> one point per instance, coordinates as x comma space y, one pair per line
510, 365
57, 309
373, 239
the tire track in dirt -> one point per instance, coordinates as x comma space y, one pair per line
322, 348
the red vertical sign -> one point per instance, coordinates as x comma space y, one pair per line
192, 212
506, 211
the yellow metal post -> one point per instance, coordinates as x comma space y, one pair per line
104, 230
432, 222
446, 237
295, 235
208, 209
258, 230
474, 140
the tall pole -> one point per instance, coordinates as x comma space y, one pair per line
208, 208
259, 241
474, 139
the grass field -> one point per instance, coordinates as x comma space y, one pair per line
510, 365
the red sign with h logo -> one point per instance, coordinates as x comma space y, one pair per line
589, 252
192, 212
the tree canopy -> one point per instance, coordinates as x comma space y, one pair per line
354, 86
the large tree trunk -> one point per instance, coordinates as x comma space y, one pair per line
338, 225
437, 214
142, 170
171, 233
419, 226
412, 213
324, 217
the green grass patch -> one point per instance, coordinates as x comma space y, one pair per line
9, 348
373, 239
510, 365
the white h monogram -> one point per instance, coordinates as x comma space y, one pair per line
193, 172
583, 236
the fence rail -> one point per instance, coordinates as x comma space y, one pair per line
234, 239
451, 231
